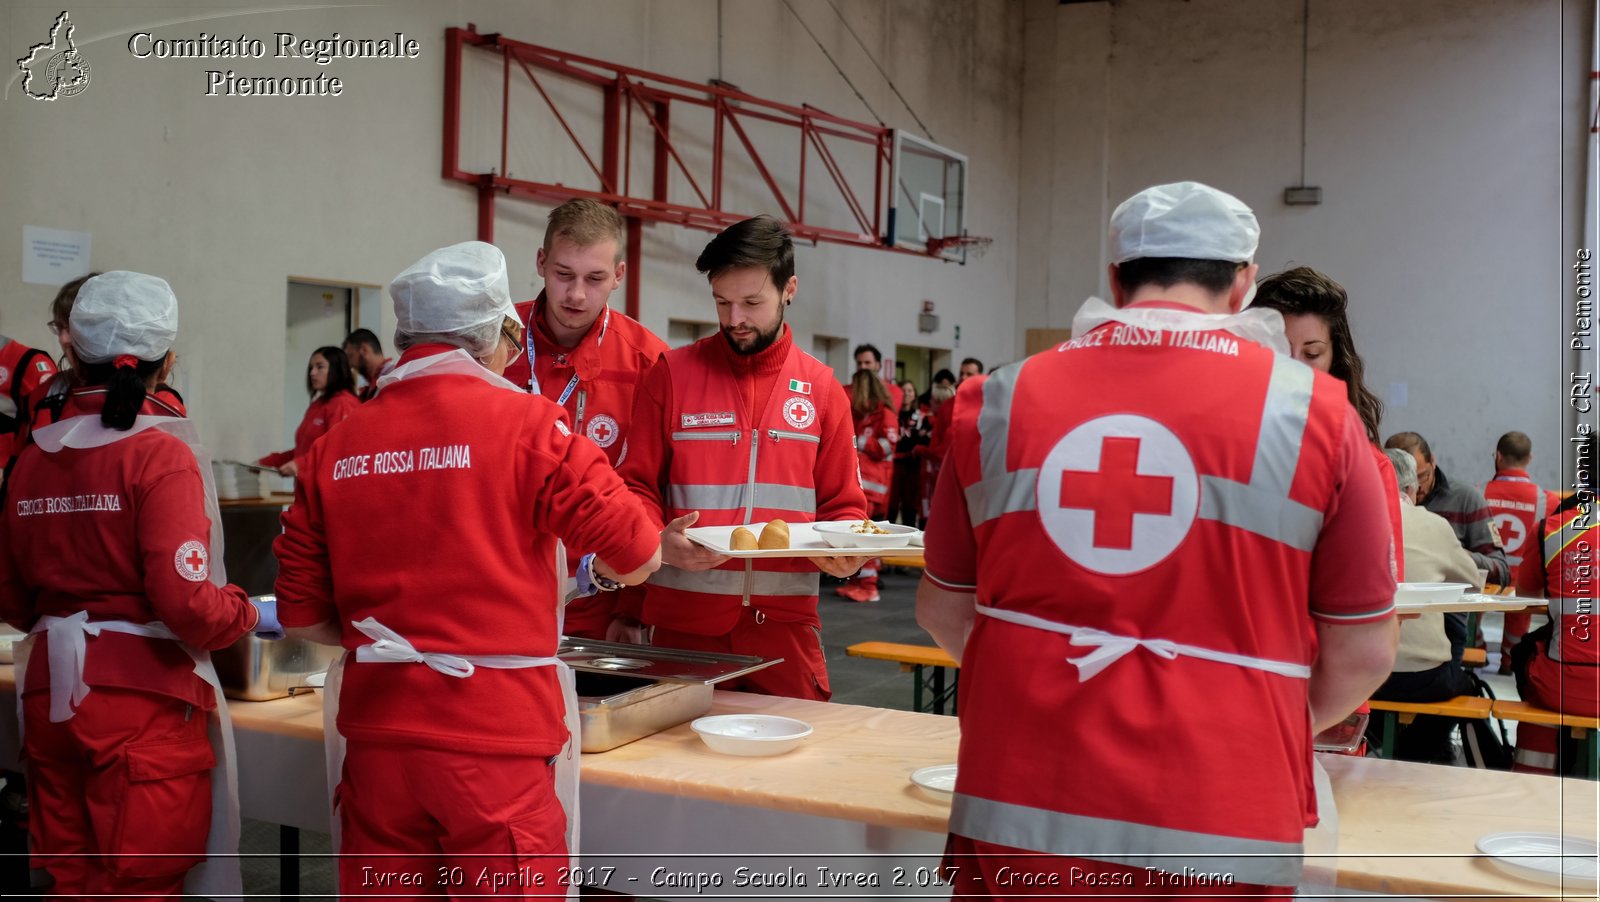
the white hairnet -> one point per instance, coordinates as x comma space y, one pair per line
453, 289
120, 313
1184, 219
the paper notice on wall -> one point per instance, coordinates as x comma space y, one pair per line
53, 256
1398, 392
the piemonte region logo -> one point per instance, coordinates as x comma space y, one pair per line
55, 68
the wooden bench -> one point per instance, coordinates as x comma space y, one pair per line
1586, 729
1474, 657
914, 658
1465, 707
914, 563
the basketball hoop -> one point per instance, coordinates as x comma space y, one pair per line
969, 244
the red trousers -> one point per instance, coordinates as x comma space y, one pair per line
421, 822
119, 796
980, 870
803, 673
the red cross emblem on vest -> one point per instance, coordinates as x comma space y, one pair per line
799, 412
1118, 494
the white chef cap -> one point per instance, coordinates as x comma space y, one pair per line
122, 313
1184, 219
455, 290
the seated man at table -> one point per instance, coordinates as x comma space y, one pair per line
1558, 665
1424, 670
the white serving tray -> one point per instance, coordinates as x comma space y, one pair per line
1469, 604
803, 542
1568, 861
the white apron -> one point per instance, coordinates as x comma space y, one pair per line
390, 647
1105, 648
218, 876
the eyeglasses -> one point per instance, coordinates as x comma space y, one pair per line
55, 328
515, 340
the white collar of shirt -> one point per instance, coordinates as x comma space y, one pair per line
454, 362
1264, 327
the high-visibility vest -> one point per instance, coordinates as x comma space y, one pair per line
1157, 495
1519, 507
734, 471
1569, 572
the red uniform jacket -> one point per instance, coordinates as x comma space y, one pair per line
610, 363
876, 435
1519, 508
435, 508
325, 412
22, 371
742, 439
119, 531
1567, 676
1226, 520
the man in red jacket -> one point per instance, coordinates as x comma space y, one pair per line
452, 702
1519, 507
589, 359
742, 427
1135, 562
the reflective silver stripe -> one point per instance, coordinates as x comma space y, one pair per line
1039, 830
731, 437
1007, 493
779, 435
1258, 509
731, 582
1564, 607
1541, 501
878, 487
1554, 542
1283, 425
888, 449
994, 420
1538, 760
732, 497
1261, 506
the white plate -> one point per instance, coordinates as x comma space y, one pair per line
1544, 857
803, 542
316, 680
843, 535
751, 735
1428, 593
940, 778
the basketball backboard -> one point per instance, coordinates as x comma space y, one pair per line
928, 197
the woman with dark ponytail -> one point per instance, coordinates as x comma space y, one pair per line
109, 545
332, 386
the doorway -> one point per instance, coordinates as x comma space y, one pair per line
319, 313
919, 364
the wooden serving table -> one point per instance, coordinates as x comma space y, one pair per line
666, 817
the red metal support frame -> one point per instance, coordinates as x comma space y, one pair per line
622, 89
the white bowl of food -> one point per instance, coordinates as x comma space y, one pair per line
865, 534
751, 735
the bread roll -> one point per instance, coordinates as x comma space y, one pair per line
775, 535
743, 540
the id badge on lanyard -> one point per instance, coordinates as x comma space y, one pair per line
572, 384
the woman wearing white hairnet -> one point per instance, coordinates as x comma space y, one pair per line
423, 538
110, 557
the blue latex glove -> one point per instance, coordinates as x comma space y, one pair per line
268, 626
586, 584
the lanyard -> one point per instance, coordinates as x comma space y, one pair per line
533, 375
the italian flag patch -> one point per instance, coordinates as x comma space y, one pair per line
798, 387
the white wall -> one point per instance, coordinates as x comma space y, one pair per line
228, 197
1439, 131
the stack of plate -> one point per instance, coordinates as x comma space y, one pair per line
235, 481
